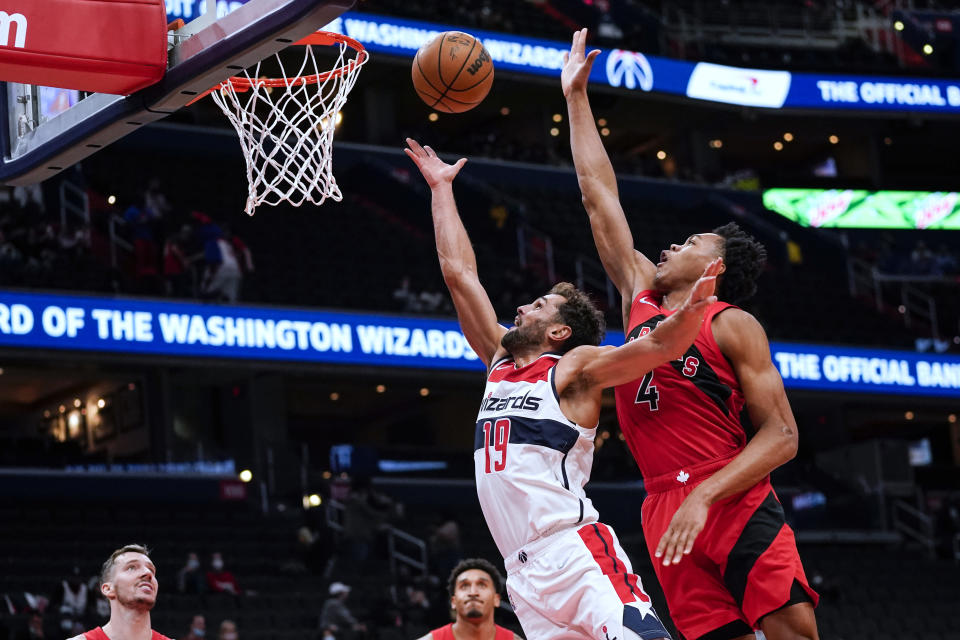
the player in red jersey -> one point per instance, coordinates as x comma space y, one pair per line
474, 589
128, 580
726, 559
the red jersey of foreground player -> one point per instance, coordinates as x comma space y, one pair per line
446, 633
98, 634
721, 547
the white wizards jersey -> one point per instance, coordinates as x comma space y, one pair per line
530, 461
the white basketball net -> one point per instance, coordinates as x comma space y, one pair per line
286, 130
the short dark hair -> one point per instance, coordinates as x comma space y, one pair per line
106, 572
581, 315
744, 257
474, 563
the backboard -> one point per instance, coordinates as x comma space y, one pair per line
45, 130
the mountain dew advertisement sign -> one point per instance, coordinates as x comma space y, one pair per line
858, 209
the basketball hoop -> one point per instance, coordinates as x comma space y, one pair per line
287, 135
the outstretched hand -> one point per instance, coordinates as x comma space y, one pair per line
701, 296
577, 64
435, 171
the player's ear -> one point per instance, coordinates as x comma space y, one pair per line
496, 600
106, 589
559, 332
453, 602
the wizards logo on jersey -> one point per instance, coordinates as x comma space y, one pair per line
691, 365
526, 402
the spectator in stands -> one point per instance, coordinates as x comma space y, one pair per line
176, 264
190, 579
366, 513
336, 619
944, 261
198, 628
474, 588
129, 581
144, 250
921, 259
155, 201
228, 630
71, 600
222, 275
219, 580
404, 295
445, 545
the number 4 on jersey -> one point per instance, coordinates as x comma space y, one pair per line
648, 393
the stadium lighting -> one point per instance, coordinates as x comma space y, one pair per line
433, 117
111, 199
908, 415
716, 143
246, 475
314, 500
898, 25
602, 122
952, 418
661, 155
101, 403
381, 388
557, 117
605, 131
424, 392
554, 132
833, 139
334, 396
778, 145
504, 111
927, 49
788, 136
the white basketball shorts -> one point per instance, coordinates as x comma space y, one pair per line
578, 583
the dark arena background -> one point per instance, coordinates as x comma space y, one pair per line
314, 425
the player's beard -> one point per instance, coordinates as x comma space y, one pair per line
474, 610
136, 601
520, 338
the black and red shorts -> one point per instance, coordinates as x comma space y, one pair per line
743, 566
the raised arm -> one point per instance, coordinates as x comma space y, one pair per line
593, 368
743, 341
457, 259
629, 269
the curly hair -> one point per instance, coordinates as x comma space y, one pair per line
474, 563
744, 258
580, 314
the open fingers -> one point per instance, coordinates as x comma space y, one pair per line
415, 147
430, 152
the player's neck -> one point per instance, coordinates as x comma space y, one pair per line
675, 298
523, 357
484, 630
128, 624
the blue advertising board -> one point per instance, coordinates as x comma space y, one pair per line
636, 71
189, 329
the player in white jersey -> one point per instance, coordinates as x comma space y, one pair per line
568, 577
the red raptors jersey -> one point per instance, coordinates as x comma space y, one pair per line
98, 634
446, 633
683, 412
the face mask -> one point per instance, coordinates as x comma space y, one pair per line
193, 564
217, 564
198, 632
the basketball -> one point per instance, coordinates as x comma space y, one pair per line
453, 72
